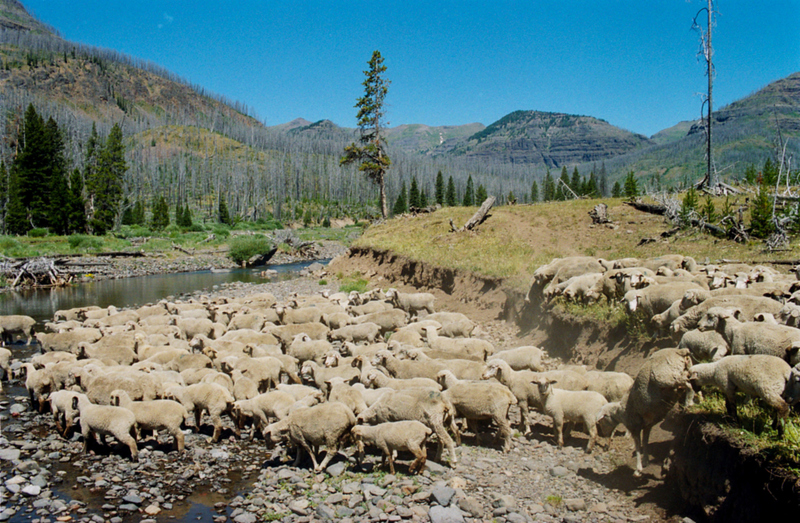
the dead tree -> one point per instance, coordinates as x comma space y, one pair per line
600, 214
478, 218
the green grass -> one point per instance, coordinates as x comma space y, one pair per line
352, 283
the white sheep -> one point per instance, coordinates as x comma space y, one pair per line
526, 357
363, 332
474, 347
612, 385
412, 303
571, 406
304, 348
704, 345
376, 379
39, 382
391, 437
209, 397
61, 408
453, 324
273, 404
344, 392
288, 316
105, 420
388, 321
16, 324
154, 415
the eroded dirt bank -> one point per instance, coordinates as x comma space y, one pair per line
705, 475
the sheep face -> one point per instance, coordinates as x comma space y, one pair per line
792, 392
490, 372
608, 418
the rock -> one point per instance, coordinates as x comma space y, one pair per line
559, 471
130, 507
472, 506
513, 517
9, 455
326, 512
603, 508
132, 498
32, 490
442, 495
299, 506
6, 514
575, 504
505, 501
247, 517
152, 510
333, 499
344, 512
535, 509
337, 469
439, 514
435, 468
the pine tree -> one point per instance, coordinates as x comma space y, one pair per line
400, 205
561, 187
451, 199
107, 182
549, 192
591, 187
178, 213
223, 215
187, 215
371, 155
413, 195
440, 188
688, 206
709, 211
750, 175
575, 184
770, 173
534, 192
631, 188
423, 200
616, 192
469, 194
76, 207
480, 194
511, 198
29, 183
3, 195
139, 213
761, 225
160, 219
58, 189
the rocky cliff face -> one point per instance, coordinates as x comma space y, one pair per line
552, 139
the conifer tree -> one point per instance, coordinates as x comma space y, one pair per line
631, 188
576, 182
709, 211
178, 213
3, 195
761, 225
770, 173
591, 187
413, 195
451, 199
549, 192
58, 188
439, 188
423, 199
602, 185
223, 215
616, 192
187, 215
76, 206
160, 219
469, 194
480, 194
534, 192
29, 183
400, 205
750, 174
561, 188
107, 182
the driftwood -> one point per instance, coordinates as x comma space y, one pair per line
37, 272
648, 207
478, 218
179, 248
211, 237
261, 259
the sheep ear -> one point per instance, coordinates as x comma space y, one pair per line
74, 402
736, 313
354, 380
552, 382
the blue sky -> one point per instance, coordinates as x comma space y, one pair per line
631, 63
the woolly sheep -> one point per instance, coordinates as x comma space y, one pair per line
758, 375
288, 316
67, 341
39, 382
244, 388
571, 406
104, 420
297, 391
612, 385
477, 400
394, 436
16, 324
704, 345
209, 397
304, 348
690, 298
265, 371
748, 305
321, 425
424, 405
155, 415
61, 407
752, 337
251, 321
76, 313
526, 357
655, 299
286, 333
273, 404
660, 383
341, 391
376, 379
336, 320
314, 373
412, 303
388, 321
468, 346
5, 362
364, 332
368, 308
450, 324
520, 385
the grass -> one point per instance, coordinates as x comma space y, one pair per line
755, 428
352, 283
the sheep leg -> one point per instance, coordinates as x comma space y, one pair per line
645, 440
179, 440
217, 421
391, 461
558, 428
128, 440
198, 415
504, 432
311, 453
591, 429
444, 440
420, 455
523, 417
637, 443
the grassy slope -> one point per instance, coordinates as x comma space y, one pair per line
515, 240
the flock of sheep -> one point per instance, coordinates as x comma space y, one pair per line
386, 371
735, 326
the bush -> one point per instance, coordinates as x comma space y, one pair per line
194, 227
133, 231
242, 248
351, 284
38, 233
84, 241
8, 242
221, 231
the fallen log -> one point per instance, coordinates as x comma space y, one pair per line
184, 251
478, 218
648, 207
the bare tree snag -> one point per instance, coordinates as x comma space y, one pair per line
600, 214
478, 218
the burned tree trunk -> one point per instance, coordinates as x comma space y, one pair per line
478, 218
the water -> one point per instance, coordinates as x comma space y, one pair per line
41, 304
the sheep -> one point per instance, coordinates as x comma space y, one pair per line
67, 341
527, 357
210, 397
16, 324
313, 372
39, 382
297, 390
571, 406
189, 361
410, 435
412, 303
670, 261
220, 378
612, 385
289, 316
690, 298
789, 315
376, 379
368, 308
252, 321
580, 288
76, 313
247, 336
5, 362
563, 269
423, 365
105, 420
304, 348
467, 346
154, 415
752, 337
61, 407
339, 390
138, 385
757, 375
547, 272
424, 405
118, 319
519, 383
476, 400
407, 336
748, 305
364, 332
244, 388
655, 299
704, 345
336, 320
273, 404
616, 282
453, 324
286, 333
191, 327
660, 383
326, 424
388, 321
265, 371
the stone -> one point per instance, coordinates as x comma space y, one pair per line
246, 517
132, 498
472, 506
435, 468
326, 512
603, 508
513, 517
9, 455
559, 471
439, 514
152, 510
32, 490
442, 495
344, 512
130, 507
6, 514
333, 499
575, 504
504, 500
337, 469
535, 508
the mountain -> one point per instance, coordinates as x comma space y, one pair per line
671, 134
14, 17
424, 139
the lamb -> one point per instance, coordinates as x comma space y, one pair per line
424, 405
286, 333
571, 406
39, 382
336, 320
412, 303
470, 346
368, 308
752, 337
5, 362
580, 288
289, 316
690, 298
339, 390
319, 375
67, 341
659, 384
16, 324
704, 345
210, 397
612, 385
476, 400
519, 383
376, 379
390, 437
154, 415
104, 420
61, 407
364, 332
527, 357
326, 424
757, 375
274, 404
655, 299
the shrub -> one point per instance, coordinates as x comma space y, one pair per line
351, 284
221, 231
8, 242
194, 227
40, 232
84, 241
242, 248
133, 231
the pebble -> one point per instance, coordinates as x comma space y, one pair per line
439, 514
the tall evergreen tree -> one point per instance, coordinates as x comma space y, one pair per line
450, 197
534, 192
223, 215
58, 188
160, 219
576, 183
602, 185
591, 189
616, 192
371, 155
549, 191
413, 195
770, 173
3, 195
76, 208
29, 181
423, 199
187, 215
440, 188
469, 194
480, 194
107, 183
561, 189
178, 213
631, 187
400, 205
761, 224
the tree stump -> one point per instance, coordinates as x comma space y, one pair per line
600, 214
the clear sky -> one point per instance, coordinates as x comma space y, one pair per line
632, 63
